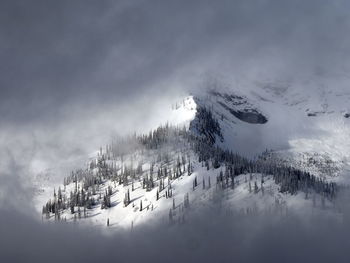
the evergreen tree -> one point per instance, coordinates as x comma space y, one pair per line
256, 189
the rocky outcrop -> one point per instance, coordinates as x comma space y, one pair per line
240, 107
248, 115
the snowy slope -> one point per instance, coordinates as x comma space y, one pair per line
300, 120
246, 123
243, 198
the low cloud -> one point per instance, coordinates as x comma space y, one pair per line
208, 235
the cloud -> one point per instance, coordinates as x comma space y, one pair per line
57, 54
209, 235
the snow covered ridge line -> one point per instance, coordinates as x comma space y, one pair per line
148, 176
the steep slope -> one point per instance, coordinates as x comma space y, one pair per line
173, 171
189, 163
303, 121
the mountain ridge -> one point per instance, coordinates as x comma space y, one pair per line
120, 188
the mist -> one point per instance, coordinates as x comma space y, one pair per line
82, 55
208, 235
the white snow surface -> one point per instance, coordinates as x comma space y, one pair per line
290, 132
241, 199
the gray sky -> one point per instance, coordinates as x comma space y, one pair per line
55, 54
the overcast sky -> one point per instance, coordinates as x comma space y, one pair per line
59, 54
75, 72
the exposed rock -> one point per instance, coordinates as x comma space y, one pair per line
240, 107
247, 115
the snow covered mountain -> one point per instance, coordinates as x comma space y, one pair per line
304, 123
214, 147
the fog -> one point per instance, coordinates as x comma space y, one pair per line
59, 55
76, 73
209, 235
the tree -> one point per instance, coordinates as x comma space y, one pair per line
127, 198
256, 189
